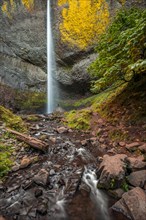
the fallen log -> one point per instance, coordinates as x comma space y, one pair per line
33, 142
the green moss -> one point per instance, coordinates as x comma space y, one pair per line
112, 183
79, 119
86, 101
5, 159
32, 118
125, 186
107, 96
31, 100
118, 135
11, 120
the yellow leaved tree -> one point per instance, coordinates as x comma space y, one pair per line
83, 21
8, 7
28, 4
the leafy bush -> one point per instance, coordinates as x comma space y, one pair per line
122, 50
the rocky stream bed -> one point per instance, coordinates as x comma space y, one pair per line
62, 182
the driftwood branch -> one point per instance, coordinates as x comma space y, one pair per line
33, 142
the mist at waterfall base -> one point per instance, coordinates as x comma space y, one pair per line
51, 66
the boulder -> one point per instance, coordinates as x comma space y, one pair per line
132, 146
117, 193
136, 163
42, 178
142, 148
62, 130
137, 178
25, 162
132, 204
111, 171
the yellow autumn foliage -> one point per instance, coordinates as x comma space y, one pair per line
83, 21
8, 7
28, 4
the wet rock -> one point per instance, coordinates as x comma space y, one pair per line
42, 178
111, 151
111, 171
122, 144
43, 137
142, 148
136, 163
25, 162
15, 208
57, 166
62, 130
133, 146
2, 218
37, 127
84, 142
92, 139
117, 193
132, 204
32, 213
12, 188
101, 140
42, 207
15, 168
74, 182
137, 178
84, 189
38, 193
52, 139
27, 184
52, 172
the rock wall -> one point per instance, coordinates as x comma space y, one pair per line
23, 47
23, 44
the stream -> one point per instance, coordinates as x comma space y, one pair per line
60, 184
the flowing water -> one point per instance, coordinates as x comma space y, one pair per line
97, 196
70, 192
50, 62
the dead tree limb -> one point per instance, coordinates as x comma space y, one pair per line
33, 142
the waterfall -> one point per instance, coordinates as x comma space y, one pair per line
101, 200
50, 62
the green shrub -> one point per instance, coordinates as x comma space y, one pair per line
122, 50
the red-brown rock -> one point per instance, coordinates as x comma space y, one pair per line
133, 146
132, 204
137, 178
136, 163
142, 148
111, 171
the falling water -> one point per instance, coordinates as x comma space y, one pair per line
50, 62
89, 177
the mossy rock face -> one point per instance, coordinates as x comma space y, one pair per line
11, 120
79, 119
5, 159
32, 101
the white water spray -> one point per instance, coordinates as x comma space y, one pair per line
50, 62
89, 177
